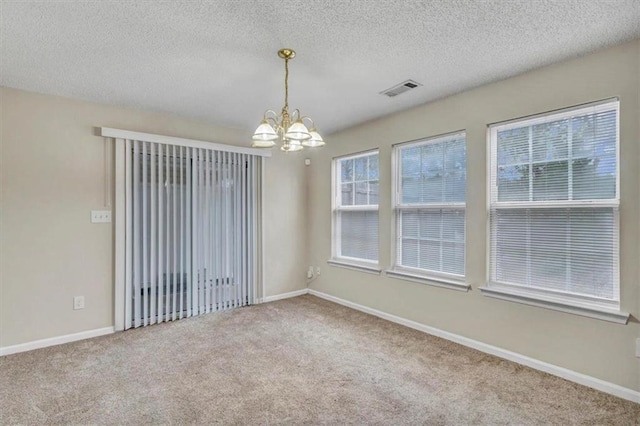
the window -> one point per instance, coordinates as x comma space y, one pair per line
355, 209
554, 206
429, 204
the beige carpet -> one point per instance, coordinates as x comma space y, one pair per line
302, 360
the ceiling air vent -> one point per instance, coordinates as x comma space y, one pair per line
400, 88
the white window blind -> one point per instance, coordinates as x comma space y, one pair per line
355, 210
554, 205
429, 205
192, 231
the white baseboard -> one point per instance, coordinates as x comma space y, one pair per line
43, 343
574, 376
285, 295
52, 341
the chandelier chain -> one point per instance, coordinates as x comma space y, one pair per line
286, 85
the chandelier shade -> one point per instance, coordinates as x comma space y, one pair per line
288, 128
298, 131
291, 146
265, 133
315, 141
263, 144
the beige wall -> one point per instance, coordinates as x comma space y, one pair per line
52, 172
594, 347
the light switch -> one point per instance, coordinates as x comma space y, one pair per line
78, 302
100, 216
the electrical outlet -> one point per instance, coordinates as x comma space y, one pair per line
318, 270
100, 216
78, 302
310, 272
638, 347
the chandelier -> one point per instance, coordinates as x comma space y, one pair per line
290, 129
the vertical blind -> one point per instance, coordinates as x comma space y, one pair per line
430, 205
554, 202
356, 207
192, 231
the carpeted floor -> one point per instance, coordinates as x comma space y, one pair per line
301, 360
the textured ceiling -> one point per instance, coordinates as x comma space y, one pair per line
216, 60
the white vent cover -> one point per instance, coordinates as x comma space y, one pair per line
400, 88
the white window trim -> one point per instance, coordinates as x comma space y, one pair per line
423, 276
595, 107
337, 259
417, 275
558, 302
580, 304
356, 265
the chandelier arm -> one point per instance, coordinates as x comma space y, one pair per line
266, 114
273, 122
272, 117
295, 115
313, 125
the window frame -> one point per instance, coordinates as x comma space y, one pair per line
567, 301
397, 270
337, 259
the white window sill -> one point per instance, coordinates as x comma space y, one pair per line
556, 303
429, 280
370, 269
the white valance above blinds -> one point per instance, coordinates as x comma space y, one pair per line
170, 140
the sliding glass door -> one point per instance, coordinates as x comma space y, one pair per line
192, 231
